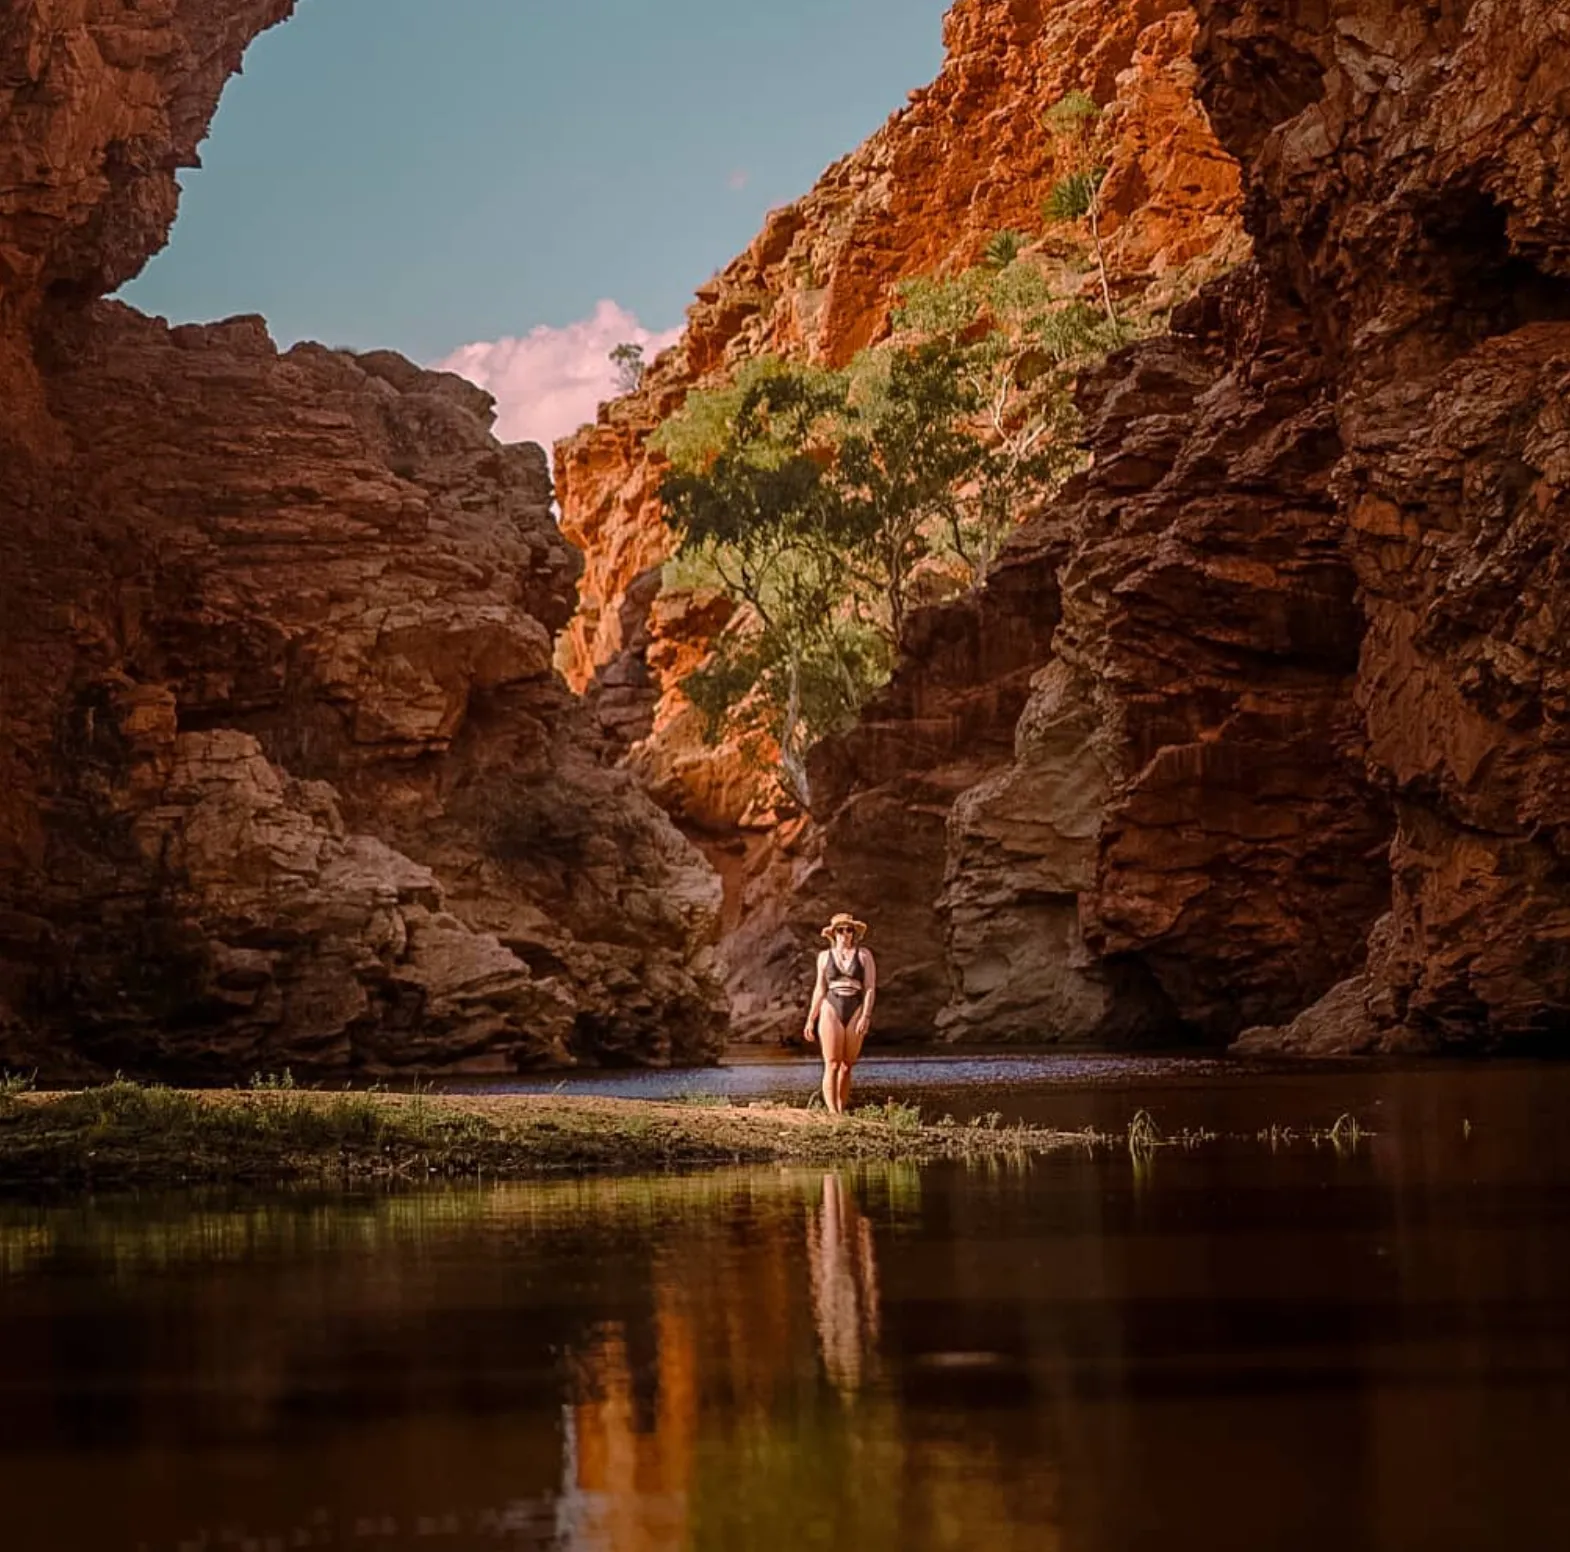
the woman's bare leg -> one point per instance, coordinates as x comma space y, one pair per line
831, 1039
850, 1054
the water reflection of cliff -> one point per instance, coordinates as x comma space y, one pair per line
708, 1423
1365, 1350
630, 1456
636, 1365
725, 1338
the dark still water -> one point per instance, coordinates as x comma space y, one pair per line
1230, 1347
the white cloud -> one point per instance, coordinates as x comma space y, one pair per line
549, 382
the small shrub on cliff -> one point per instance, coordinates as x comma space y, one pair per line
524, 819
1002, 249
1072, 197
627, 358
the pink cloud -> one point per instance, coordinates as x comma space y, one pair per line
738, 180
549, 382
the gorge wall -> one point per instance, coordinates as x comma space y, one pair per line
967, 158
1409, 193
1261, 725
286, 774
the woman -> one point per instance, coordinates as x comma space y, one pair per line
841, 1011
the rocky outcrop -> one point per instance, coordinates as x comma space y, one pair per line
884, 791
1199, 714
99, 108
967, 158
1339, 1024
1295, 758
1314, 596
289, 778
1416, 197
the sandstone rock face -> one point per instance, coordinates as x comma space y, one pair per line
1294, 759
1420, 201
288, 776
967, 158
1339, 1024
1314, 592
99, 107
1210, 624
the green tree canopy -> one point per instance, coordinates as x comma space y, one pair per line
830, 504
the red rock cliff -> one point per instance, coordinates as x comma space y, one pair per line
967, 158
1280, 731
286, 775
1410, 196
1297, 756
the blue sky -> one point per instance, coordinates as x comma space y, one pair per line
424, 174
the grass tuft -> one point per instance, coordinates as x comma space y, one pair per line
14, 1083
892, 1113
272, 1082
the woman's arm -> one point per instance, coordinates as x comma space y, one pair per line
819, 987
869, 968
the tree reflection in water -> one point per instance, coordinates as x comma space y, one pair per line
844, 1271
730, 1334
1244, 1349
627, 1474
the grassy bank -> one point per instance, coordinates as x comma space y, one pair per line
125, 1134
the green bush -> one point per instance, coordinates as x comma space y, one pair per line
531, 819
1003, 248
1072, 197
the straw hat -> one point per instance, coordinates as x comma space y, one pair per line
845, 919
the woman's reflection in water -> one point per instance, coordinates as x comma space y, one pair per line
844, 1271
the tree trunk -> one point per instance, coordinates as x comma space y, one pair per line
1101, 258
791, 761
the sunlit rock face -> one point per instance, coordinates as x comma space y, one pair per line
288, 776
967, 158
1284, 745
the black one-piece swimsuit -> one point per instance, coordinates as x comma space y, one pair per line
847, 988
